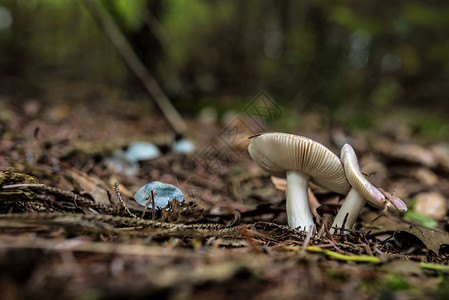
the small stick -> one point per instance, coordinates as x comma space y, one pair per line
389, 198
342, 228
331, 240
146, 206
120, 200
384, 211
19, 185
153, 206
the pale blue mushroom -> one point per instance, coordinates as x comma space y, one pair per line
164, 193
118, 162
141, 151
183, 146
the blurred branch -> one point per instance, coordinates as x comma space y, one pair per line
125, 50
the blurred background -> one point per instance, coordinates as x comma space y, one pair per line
349, 63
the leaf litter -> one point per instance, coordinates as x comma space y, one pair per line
64, 232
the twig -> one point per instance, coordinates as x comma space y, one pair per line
342, 229
389, 198
237, 218
120, 200
332, 241
146, 206
153, 205
20, 185
125, 50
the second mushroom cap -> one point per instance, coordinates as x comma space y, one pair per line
277, 153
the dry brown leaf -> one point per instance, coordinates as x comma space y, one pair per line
431, 238
408, 152
92, 185
279, 183
415, 153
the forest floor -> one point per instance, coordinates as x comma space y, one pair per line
64, 234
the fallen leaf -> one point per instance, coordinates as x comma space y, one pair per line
92, 185
431, 238
279, 183
415, 154
406, 152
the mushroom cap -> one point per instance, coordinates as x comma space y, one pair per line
183, 146
141, 151
359, 182
277, 153
164, 193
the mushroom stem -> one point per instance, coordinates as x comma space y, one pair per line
298, 211
352, 207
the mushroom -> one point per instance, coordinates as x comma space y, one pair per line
362, 191
164, 193
183, 146
300, 159
141, 151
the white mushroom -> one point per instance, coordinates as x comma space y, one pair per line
362, 191
300, 159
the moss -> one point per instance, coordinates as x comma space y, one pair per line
9, 177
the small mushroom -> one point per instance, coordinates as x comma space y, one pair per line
362, 191
164, 193
118, 163
300, 159
183, 146
141, 151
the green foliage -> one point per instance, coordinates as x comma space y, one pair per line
131, 13
54, 5
426, 15
436, 267
443, 288
433, 127
386, 92
391, 286
9, 177
189, 23
339, 256
352, 20
336, 274
415, 217
395, 282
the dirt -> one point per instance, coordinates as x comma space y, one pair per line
64, 232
